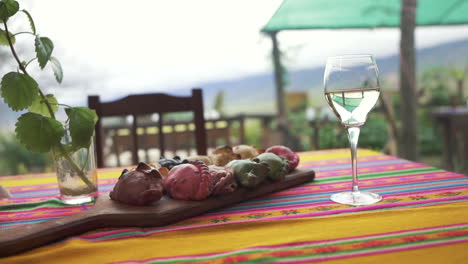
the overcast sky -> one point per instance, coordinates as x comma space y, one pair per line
114, 48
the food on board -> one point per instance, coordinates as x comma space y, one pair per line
278, 166
223, 155
286, 153
248, 172
201, 176
141, 186
246, 151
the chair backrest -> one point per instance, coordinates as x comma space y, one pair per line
144, 104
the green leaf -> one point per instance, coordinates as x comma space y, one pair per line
8, 8
39, 106
18, 90
4, 40
31, 21
57, 68
44, 48
82, 122
38, 133
70, 148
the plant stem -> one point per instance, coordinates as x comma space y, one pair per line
65, 154
79, 171
49, 107
87, 158
24, 32
65, 105
7, 34
25, 66
23, 69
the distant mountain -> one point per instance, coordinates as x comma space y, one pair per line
250, 94
256, 93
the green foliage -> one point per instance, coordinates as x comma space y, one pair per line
175, 116
57, 69
218, 104
16, 159
44, 48
436, 84
38, 133
440, 95
332, 135
4, 39
82, 121
31, 21
38, 130
8, 8
457, 74
429, 142
253, 133
300, 127
374, 133
40, 107
18, 90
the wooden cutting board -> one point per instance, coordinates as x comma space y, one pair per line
109, 213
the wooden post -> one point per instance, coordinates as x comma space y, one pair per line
189, 145
228, 133
241, 129
200, 119
135, 140
161, 135
95, 103
279, 83
315, 140
145, 136
115, 145
266, 135
409, 148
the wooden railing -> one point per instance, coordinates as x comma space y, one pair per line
179, 135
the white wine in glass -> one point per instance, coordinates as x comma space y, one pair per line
351, 87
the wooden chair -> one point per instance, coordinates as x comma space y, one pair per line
144, 104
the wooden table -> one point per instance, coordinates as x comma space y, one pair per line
422, 218
454, 124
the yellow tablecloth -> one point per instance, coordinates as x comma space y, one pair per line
422, 219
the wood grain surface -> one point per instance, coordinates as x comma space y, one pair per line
109, 213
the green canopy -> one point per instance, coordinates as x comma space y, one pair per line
335, 14
344, 14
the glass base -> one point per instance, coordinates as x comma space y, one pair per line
73, 200
356, 198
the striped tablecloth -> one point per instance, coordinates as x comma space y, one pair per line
422, 218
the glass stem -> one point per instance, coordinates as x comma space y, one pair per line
353, 136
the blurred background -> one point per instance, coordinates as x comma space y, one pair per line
116, 48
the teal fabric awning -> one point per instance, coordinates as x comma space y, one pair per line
336, 14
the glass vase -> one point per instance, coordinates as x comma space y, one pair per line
76, 173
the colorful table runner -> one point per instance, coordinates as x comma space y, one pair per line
423, 217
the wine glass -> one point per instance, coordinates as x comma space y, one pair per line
351, 87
